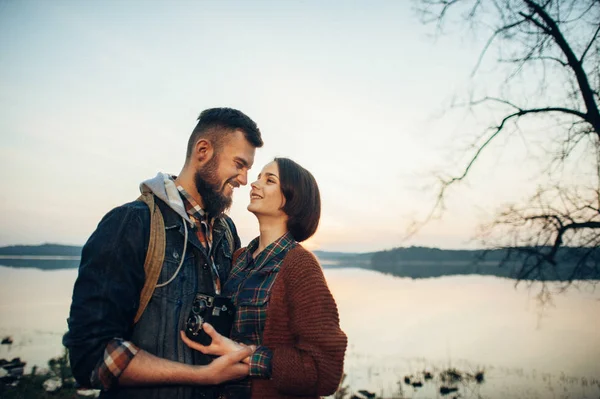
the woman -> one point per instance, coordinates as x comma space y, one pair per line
283, 304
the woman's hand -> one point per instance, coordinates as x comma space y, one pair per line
219, 346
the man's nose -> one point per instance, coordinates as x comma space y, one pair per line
243, 178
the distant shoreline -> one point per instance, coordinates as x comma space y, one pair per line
412, 262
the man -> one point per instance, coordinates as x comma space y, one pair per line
148, 359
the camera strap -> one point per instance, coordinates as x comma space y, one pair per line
215, 276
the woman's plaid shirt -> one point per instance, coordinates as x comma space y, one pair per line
249, 286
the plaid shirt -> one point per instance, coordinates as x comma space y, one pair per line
117, 355
249, 286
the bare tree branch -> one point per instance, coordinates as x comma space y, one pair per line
498, 129
594, 37
586, 90
490, 41
546, 58
560, 224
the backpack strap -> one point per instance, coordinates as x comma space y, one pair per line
156, 252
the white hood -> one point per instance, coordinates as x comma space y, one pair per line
164, 188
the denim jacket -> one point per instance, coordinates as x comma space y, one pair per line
107, 290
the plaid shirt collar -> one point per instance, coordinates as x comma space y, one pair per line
203, 225
271, 251
196, 213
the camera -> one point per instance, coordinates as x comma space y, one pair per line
219, 311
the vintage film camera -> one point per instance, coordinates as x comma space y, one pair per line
217, 310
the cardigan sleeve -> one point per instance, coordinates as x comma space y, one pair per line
314, 364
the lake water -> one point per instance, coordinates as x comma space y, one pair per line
396, 327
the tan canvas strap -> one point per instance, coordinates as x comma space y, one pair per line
155, 255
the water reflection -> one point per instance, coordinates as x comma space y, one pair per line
400, 326
396, 327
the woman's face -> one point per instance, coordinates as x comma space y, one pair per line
266, 197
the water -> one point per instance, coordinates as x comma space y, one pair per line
396, 327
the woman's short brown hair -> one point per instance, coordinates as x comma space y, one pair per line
302, 199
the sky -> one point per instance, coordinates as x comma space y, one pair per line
97, 96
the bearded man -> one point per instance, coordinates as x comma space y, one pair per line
147, 359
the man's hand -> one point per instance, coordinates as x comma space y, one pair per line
228, 367
146, 369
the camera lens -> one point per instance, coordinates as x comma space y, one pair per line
199, 306
194, 324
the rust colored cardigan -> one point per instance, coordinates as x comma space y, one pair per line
303, 331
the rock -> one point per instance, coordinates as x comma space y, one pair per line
12, 370
88, 393
52, 385
446, 390
479, 377
366, 394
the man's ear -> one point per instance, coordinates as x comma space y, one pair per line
203, 151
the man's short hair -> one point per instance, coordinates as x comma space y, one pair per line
215, 124
302, 199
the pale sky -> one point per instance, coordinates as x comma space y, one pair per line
96, 96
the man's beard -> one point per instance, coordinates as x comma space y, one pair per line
207, 184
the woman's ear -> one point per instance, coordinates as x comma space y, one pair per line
282, 202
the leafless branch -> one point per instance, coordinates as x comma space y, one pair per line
538, 39
594, 37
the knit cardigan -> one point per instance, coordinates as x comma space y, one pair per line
303, 331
